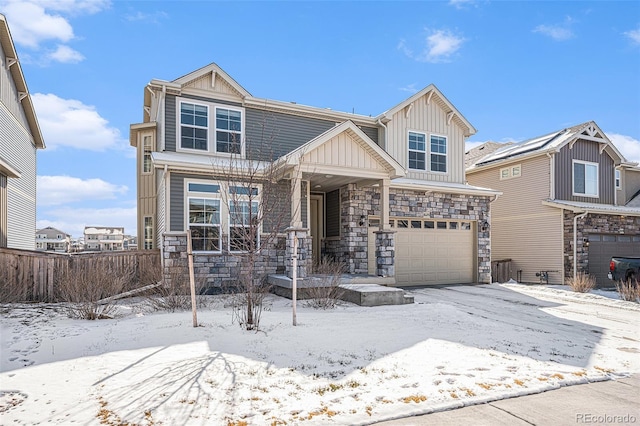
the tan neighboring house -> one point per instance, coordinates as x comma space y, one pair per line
385, 194
100, 238
52, 239
567, 204
20, 138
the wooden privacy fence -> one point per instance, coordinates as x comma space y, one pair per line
33, 276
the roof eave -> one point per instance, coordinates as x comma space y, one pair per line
445, 189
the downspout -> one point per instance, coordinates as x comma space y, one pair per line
575, 240
164, 178
385, 133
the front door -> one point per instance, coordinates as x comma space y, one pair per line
316, 225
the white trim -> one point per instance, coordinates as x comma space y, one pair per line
425, 152
211, 128
207, 196
573, 179
446, 154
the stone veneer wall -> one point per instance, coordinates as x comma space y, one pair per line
352, 248
218, 270
592, 224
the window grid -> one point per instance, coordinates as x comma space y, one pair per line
194, 123
228, 131
146, 147
438, 154
148, 233
204, 223
417, 151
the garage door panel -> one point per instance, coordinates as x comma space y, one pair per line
602, 247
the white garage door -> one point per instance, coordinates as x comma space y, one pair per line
431, 251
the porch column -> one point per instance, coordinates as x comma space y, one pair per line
384, 204
385, 237
296, 198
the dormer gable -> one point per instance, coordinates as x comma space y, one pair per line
212, 79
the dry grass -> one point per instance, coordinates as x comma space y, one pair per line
84, 287
326, 295
413, 398
629, 290
582, 283
175, 294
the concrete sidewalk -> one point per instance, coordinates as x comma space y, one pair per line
604, 403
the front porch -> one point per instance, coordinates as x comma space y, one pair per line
363, 290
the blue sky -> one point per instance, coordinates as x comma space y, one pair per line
514, 69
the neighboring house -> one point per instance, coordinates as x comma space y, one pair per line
52, 239
20, 138
99, 238
385, 195
130, 242
566, 205
76, 245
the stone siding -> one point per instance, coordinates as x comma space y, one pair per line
592, 224
219, 270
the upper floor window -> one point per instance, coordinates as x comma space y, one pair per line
417, 151
618, 180
510, 172
210, 127
436, 152
585, 178
146, 147
194, 123
228, 131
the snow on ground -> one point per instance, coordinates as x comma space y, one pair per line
455, 346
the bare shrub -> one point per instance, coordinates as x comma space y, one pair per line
582, 283
175, 294
84, 285
629, 290
9, 291
326, 294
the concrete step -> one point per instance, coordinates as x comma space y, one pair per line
372, 295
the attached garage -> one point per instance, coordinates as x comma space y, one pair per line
431, 251
602, 247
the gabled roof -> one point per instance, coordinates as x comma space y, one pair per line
430, 91
213, 68
552, 142
51, 230
21, 85
389, 163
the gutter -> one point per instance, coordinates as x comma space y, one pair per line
575, 240
385, 133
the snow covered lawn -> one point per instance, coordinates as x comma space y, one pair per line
455, 346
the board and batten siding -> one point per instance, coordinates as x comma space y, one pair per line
584, 151
9, 93
522, 229
146, 185
17, 148
432, 120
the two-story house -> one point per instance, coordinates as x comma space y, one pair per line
385, 195
52, 239
569, 203
20, 138
102, 238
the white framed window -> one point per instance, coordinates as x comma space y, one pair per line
618, 179
417, 151
194, 126
585, 179
210, 127
242, 236
425, 156
148, 233
438, 150
511, 172
146, 154
228, 131
203, 216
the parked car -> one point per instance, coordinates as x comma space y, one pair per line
624, 268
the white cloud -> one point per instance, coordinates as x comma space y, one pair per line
627, 145
30, 24
410, 88
73, 220
461, 4
440, 46
56, 190
634, 36
559, 32
65, 54
154, 17
34, 23
69, 122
